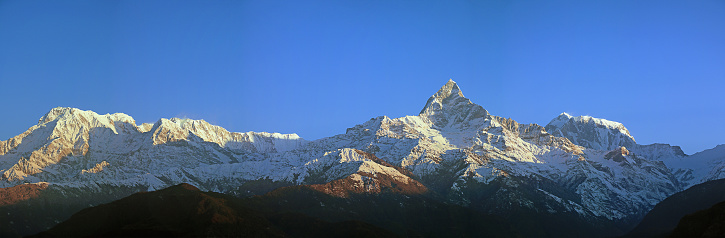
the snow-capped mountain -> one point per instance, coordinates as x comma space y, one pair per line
594, 133
700, 167
584, 167
600, 134
69, 142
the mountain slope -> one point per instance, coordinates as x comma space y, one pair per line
601, 134
67, 141
185, 211
406, 215
700, 167
590, 132
581, 170
665, 215
704, 223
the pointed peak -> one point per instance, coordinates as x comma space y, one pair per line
559, 121
449, 89
449, 103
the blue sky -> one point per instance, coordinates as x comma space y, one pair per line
318, 67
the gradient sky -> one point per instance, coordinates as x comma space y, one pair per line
316, 68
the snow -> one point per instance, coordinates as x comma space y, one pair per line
559, 121
590, 132
700, 167
450, 130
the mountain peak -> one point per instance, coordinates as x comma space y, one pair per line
67, 113
449, 105
591, 132
55, 113
559, 121
449, 89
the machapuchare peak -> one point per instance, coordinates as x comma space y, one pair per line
449, 89
449, 105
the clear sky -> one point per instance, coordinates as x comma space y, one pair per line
316, 68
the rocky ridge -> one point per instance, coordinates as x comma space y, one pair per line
581, 166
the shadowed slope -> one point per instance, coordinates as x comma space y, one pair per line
705, 223
665, 215
180, 210
184, 211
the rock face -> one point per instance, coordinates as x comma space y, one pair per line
448, 106
593, 133
82, 139
700, 167
580, 167
15, 194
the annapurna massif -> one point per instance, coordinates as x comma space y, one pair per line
580, 166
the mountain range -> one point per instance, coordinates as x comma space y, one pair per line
583, 171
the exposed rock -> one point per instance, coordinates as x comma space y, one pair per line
590, 132
451, 146
618, 154
13, 195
